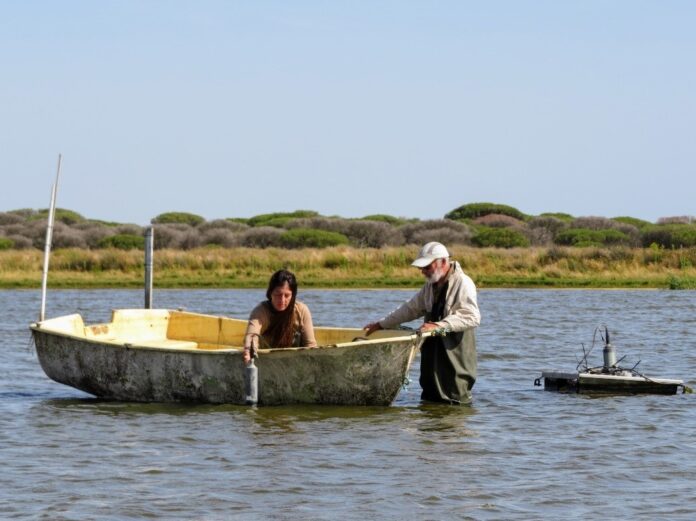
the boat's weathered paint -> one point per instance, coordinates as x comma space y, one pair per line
170, 356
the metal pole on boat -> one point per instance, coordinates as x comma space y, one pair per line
609, 353
49, 240
149, 249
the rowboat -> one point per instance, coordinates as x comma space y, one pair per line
160, 355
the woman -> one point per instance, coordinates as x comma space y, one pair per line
280, 321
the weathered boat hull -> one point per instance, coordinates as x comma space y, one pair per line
192, 369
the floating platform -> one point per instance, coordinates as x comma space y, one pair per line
609, 378
587, 382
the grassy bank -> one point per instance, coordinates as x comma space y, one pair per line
345, 267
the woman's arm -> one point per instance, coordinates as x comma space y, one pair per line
257, 322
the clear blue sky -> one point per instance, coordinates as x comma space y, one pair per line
232, 109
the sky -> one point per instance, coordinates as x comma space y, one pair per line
407, 108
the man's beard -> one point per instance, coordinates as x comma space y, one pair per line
436, 275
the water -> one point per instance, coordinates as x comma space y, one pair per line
517, 453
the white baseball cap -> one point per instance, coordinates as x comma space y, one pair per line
430, 252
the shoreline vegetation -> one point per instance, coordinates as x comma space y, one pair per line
498, 246
352, 268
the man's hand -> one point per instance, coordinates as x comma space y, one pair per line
428, 326
371, 328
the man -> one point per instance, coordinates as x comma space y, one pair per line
447, 300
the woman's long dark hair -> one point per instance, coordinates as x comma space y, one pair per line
281, 332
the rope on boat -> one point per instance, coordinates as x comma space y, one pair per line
416, 339
440, 331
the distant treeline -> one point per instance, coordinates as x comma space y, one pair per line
474, 224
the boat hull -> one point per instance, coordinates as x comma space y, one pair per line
364, 372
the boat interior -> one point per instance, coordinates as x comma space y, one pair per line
167, 329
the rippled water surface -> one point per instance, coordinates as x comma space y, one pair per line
517, 453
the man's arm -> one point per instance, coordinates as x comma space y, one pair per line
464, 313
409, 310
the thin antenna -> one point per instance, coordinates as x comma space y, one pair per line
49, 240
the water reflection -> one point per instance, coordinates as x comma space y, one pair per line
116, 408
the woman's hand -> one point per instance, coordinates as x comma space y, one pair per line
247, 356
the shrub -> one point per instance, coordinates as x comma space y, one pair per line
220, 237
20, 242
638, 223
331, 224
190, 240
170, 235
10, 218
579, 237
175, 226
304, 238
631, 234
362, 234
123, 242
538, 236
238, 220
593, 223
63, 235
68, 217
681, 219
543, 229
548, 222
446, 236
13, 229
129, 229
474, 210
452, 232
61, 215
66, 237
669, 235
582, 237
373, 234
223, 224
93, 232
499, 238
109, 224
565, 217
498, 220
278, 222
389, 219
6, 243
178, 217
263, 219
36, 232
24, 213
261, 237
